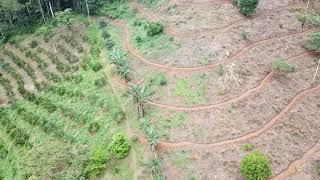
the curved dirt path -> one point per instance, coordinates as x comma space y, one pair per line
235, 23
137, 55
244, 95
201, 3
169, 144
292, 167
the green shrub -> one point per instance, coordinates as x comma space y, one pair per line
119, 146
33, 44
303, 19
281, 66
318, 169
139, 40
108, 43
247, 147
255, 166
222, 69
94, 127
101, 82
96, 66
247, 7
154, 28
97, 162
314, 42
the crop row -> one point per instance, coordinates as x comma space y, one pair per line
41, 64
18, 135
38, 117
62, 68
7, 68
73, 43
8, 160
21, 64
67, 55
7, 86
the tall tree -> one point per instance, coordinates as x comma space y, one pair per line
139, 94
65, 17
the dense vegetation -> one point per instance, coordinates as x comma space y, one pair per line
255, 166
247, 7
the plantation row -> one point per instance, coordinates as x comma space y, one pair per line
63, 69
75, 109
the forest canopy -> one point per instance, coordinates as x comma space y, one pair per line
23, 16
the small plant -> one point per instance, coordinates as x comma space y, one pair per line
318, 169
281, 66
97, 162
255, 166
303, 19
154, 28
247, 7
315, 20
119, 146
139, 94
222, 69
94, 127
101, 82
138, 39
247, 147
155, 166
314, 42
118, 58
245, 34
33, 44
96, 66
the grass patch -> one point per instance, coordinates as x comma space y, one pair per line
192, 89
176, 120
180, 159
150, 46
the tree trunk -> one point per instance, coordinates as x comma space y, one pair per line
51, 9
41, 10
10, 20
141, 112
1, 33
47, 8
88, 12
55, 48
315, 74
28, 9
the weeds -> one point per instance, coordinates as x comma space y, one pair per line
281, 66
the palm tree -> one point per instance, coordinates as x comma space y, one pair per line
153, 137
139, 94
118, 58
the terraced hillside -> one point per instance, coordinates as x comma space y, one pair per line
164, 89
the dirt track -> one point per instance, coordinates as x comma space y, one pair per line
170, 145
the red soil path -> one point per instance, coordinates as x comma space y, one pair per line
168, 144
235, 23
133, 52
292, 167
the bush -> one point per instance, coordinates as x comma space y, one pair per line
255, 166
96, 66
119, 146
108, 43
247, 147
97, 162
314, 42
94, 127
247, 7
154, 28
101, 82
318, 169
281, 66
33, 44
